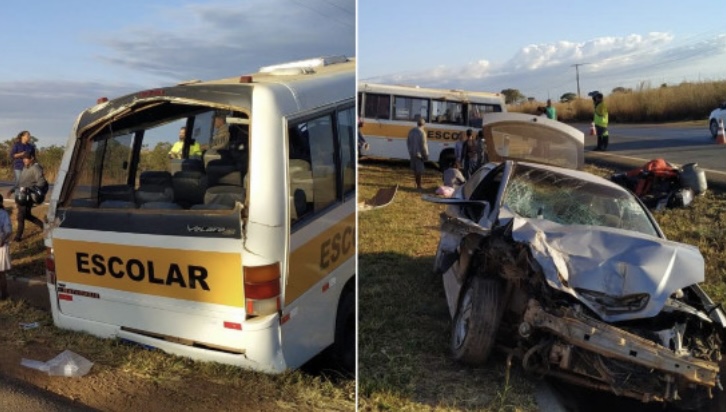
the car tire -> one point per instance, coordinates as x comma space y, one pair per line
713, 127
474, 330
343, 350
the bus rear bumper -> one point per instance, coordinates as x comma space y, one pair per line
259, 341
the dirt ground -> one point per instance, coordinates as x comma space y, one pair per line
115, 389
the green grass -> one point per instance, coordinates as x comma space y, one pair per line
404, 324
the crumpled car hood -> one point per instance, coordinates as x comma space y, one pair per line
610, 261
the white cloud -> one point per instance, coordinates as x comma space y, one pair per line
205, 41
224, 39
546, 69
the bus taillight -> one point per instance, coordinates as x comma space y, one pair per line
262, 289
49, 266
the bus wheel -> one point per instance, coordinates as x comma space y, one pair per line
344, 346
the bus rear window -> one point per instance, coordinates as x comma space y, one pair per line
169, 157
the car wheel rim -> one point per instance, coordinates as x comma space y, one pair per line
461, 328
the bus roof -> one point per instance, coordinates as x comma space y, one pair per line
307, 84
293, 72
432, 93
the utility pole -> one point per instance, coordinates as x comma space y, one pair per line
577, 75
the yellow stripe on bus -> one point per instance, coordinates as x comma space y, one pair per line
320, 256
208, 277
433, 132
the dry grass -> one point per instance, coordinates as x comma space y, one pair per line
404, 324
686, 101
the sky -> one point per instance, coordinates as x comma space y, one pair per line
59, 57
531, 46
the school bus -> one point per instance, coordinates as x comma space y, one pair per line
388, 112
243, 255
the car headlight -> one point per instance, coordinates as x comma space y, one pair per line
615, 304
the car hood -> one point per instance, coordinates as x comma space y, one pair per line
613, 262
524, 137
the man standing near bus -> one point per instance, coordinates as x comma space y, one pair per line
418, 150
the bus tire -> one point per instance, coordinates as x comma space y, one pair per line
447, 158
344, 345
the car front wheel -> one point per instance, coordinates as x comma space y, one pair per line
477, 320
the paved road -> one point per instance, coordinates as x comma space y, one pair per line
16, 396
632, 146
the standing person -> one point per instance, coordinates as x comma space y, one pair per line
6, 229
362, 144
550, 110
418, 150
176, 150
21, 146
471, 159
481, 149
459, 150
31, 178
601, 121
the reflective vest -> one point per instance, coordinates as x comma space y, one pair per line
601, 115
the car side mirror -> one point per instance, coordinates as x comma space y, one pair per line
484, 205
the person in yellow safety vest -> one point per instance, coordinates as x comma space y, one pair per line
601, 121
176, 150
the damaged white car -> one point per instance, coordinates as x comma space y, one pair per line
571, 274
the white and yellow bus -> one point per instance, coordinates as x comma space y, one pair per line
244, 255
388, 112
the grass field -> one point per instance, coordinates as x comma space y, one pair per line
404, 361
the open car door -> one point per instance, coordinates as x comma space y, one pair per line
537, 139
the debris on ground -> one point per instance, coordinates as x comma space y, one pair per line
661, 185
382, 198
68, 364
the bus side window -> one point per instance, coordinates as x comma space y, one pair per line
312, 166
346, 133
377, 106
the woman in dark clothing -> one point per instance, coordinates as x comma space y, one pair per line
31, 178
21, 146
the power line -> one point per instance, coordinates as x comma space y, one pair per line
577, 75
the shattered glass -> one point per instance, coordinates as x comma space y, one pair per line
536, 193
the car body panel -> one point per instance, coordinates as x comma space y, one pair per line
524, 137
614, 262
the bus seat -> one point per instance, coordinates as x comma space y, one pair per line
224, 195
116, 192
189, 187
186, 165
117, 204
154, 193
155, 177
211, 206
324, 192
220, 172
161, 205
